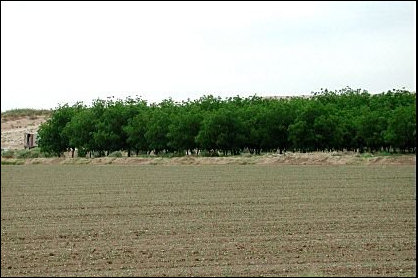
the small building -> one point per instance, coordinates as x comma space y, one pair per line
30, 140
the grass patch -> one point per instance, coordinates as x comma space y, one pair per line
31, 153
25, 153
12, 162
366, 155
7, 153
115, 154
384, 153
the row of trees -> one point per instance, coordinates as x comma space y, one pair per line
327, 120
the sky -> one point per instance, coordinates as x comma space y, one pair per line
54, 53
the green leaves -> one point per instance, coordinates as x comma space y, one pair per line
51, 135
401, 130
329, 120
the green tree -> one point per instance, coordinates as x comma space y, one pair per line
371, 127
401, 131
184, 128
132, 137
278, 117
254, 130
51, 138
80, 131
222, 130
302, 131
135, 130
109, 133
157, 130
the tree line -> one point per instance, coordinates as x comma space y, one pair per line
347, 119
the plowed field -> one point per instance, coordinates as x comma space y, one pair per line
208, 220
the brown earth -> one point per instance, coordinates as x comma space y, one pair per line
208, 221
290, 158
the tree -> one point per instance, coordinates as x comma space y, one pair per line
109, 133
184, 127
329, 120
371, 127
278, 117
254, 130
132, 108
157, 129
136, 128
302, 131
222, 130
80, 131
51, 138
401, 131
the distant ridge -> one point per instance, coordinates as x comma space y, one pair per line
24, 112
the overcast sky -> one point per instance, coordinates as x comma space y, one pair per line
61, 52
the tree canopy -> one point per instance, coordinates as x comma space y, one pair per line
346, 119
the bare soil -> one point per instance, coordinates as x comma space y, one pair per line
316, 158
208, 220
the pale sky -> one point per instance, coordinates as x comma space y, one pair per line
62, 52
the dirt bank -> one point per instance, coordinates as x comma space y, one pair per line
317, 158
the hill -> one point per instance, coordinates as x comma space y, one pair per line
14, 123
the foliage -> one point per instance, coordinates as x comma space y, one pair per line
51, 135
13, 162
157, 129
347, 119
401, 129
25, 154
7, 153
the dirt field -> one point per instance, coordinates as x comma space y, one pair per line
208, 220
